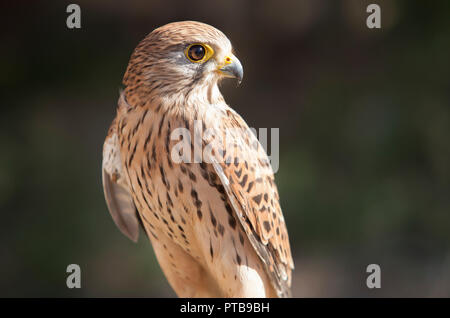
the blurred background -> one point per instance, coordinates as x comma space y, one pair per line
364, 117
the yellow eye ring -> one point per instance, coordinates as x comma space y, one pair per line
198, 52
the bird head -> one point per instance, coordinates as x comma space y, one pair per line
181, 56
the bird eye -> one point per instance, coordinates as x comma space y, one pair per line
196, 52
199, 52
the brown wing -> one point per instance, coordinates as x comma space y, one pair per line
247, 176
117, 193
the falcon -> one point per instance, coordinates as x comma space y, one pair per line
213, 216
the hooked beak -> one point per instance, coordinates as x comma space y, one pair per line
231, 67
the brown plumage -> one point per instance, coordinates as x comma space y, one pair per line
214, 217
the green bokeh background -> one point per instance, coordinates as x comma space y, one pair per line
364, 118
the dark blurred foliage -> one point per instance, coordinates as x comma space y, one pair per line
364, 119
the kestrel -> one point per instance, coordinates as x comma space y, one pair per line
214, 219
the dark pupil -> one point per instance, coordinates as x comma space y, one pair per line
196, 52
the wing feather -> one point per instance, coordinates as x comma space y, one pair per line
249, 183
117, 194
